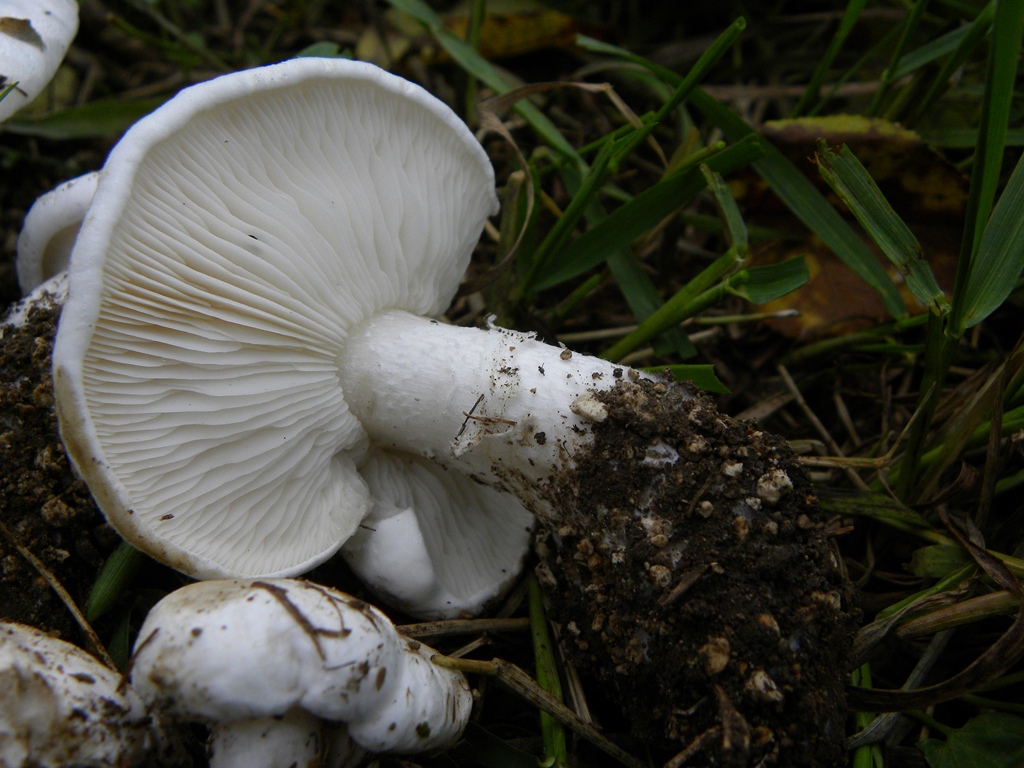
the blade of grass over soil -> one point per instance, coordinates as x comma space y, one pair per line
476, 65
972, 273
97, 119
812, 93
631, 220
547, 677
792, 187
850, 180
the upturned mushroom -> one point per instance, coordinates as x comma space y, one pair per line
239, 236
34, 37
287, 672
59, 706
49, 231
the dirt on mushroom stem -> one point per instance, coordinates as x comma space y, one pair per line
704, 589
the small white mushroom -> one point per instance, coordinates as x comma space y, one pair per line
59, 706
34, 37
50, 229
287, 672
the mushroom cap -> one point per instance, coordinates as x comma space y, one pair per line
436, 544
238, 650
59, 706
237, 235
34, 38
50, 229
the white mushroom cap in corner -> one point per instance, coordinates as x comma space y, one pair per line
50, 229
436, 543
34, 37
59, 706
238, 236
293, 660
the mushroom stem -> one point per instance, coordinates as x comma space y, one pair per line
496, 404
296, 739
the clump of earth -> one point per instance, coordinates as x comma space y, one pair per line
45, 510
690, 571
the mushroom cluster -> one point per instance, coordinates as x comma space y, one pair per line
288, 672
251, 376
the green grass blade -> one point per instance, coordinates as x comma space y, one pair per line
117, 573
770, 281
812, 93
701, 376
477, 66
1000, 257
643, 212
676, 309
7, 89
791, 186
967, 40
644, 299
909, 27
547, 677
735, 227
854, 185
1007, 29
808, 205
703, 65
942, 45
98, 119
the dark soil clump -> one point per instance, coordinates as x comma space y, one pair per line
691, 571
44, 508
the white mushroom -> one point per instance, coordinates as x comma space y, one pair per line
50, 229
59, 706
34, 37
239, 235
287, 672
422, 546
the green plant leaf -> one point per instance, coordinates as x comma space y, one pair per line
681, 306
7, 89
639, 215
476, 65
770, 281
325, 49
1001, 72
791, 186
944, 44
117, 573
1000, 257
854, 185
701, 376
854, 8
938, 560
110, 117
990, 740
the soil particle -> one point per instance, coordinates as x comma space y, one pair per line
701, 584
44, 507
